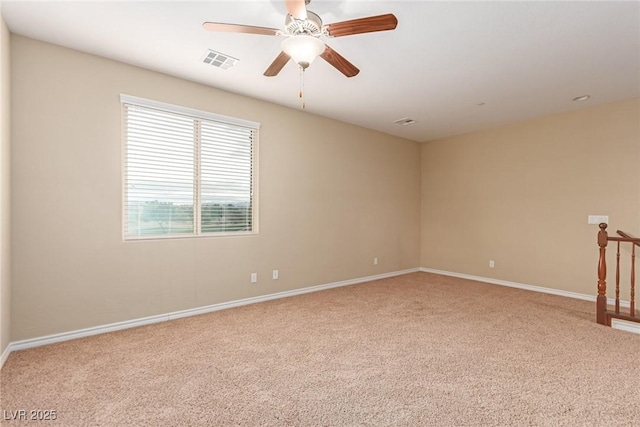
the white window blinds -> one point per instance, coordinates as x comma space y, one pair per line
186, 172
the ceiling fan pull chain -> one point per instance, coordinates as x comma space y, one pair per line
301, 93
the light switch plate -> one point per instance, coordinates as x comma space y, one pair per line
597, 219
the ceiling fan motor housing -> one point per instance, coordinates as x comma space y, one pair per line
311, 26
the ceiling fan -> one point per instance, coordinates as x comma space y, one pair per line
303, 30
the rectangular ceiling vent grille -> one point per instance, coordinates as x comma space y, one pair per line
217, 59
405, 122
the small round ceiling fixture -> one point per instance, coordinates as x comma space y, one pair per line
582, 98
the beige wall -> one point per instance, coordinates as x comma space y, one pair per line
520, 195
5, 230
328, 203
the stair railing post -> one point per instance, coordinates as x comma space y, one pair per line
601, 302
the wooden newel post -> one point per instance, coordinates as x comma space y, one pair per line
601, 302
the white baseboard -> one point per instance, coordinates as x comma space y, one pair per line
533, 288
66, 336
623, 325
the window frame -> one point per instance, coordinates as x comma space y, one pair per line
197, 199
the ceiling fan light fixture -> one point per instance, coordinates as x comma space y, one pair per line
303, 49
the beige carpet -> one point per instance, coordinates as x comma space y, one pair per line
414, 350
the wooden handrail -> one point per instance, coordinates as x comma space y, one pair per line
624, 239
629, 237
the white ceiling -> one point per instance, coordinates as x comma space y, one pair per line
518, 59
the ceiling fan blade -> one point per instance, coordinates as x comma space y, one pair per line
339, 62
362, 25
297, 9
237, 28
277, 64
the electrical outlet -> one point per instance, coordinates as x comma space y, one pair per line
492, 264
254, 277
375, 261
275, 274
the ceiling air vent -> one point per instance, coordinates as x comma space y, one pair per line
220, 60
404, 122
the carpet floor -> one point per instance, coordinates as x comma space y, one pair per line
413, 350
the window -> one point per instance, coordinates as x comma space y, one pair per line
186, 172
